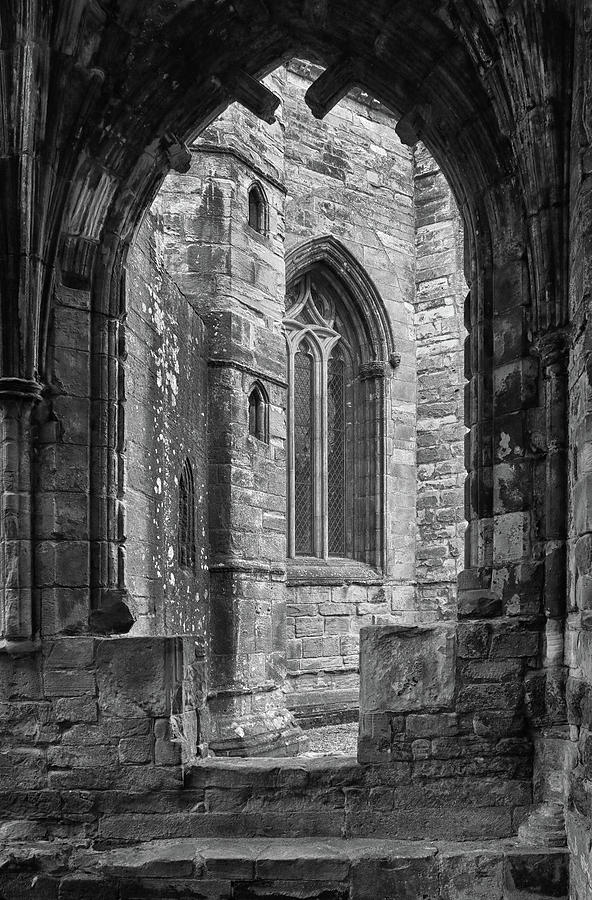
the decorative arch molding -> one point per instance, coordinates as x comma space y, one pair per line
355, 286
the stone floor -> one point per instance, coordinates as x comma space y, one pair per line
335, 739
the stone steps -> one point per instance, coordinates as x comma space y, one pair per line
315, 797
324, 868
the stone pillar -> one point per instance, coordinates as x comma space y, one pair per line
545, 688
109, 611
17, 400
247, 570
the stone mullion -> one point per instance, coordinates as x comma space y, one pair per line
322, 450
350, 389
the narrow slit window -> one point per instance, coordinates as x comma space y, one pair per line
258, 414
256, 209
186, 527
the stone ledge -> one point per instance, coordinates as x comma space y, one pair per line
313, 571
225, 866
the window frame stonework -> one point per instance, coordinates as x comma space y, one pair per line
257, 209
258, 401
348, 323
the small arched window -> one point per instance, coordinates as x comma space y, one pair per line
186, 526
258, 413
257, 209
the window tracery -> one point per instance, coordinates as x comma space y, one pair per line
321, 361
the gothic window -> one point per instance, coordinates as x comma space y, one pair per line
186, 525
257, 209
339, 343
323, 424
258, 413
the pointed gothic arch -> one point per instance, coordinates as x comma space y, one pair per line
339, 344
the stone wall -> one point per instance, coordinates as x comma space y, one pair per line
349, 176
234, 275
570, 767
165, 423
87, 721
439, 332
448, 701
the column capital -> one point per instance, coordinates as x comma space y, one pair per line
25, 388
552, 348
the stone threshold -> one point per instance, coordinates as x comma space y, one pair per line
330, 867
327, 868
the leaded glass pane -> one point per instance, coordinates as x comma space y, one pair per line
336, 460
303, 453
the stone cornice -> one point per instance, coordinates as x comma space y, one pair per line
225, 150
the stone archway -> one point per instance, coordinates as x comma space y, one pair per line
107, 111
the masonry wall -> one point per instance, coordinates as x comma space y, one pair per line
234, 275
165, 423
440, 334
349, 176
571, 765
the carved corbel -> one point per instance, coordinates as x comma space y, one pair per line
411, 126
177, 153
330, 87
250, 93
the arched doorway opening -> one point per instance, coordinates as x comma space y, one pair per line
448, 73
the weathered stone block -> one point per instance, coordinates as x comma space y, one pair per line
472, 640
406, 668
470, 874
543, 874
432, 725
138, 676
69, 652
76, 709
69, 683
512, 640
135, 751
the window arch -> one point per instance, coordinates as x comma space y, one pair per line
186, 523
257, 209
259, 413
337, 352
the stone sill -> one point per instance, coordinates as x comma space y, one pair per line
310, 570
342, 670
